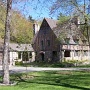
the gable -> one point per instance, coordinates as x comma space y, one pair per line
68, 29
45, 28
44, 25
52, 23
47, 22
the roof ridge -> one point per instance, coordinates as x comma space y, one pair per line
52, 23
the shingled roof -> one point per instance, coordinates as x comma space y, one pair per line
68, 28
52, 23
20, 47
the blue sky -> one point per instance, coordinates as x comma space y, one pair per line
34, 8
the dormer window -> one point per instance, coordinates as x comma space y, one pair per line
67, 40
17, 46
76, 41
84, 41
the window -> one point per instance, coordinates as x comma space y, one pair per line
84, 41
67, 40
30, 54
19, 55
42, 44
48, 42
44, 31
54, 53
76, 53
85, 53
67, 53
76, 41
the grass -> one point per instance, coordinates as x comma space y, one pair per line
41, 64
51, 80
84, 66
46, 64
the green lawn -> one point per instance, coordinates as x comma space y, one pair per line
46, 64
51, 80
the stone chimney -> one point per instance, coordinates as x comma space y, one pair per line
79, 22
36, 28
76, 20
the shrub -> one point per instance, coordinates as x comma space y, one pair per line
18, 63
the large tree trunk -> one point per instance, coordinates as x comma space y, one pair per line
6, 44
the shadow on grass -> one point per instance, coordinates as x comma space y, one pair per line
68, 79
62, 84
75, 87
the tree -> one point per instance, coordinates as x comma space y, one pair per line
7, 41
21, 29
6, 44
62, 18
68, 6
31, 19
73, 8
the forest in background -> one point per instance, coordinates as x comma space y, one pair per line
21, 28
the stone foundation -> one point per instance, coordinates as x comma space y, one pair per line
47, 56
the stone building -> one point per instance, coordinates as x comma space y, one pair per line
18, 52
57, 42
45, 44
21, 52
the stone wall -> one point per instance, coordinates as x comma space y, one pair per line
47, 56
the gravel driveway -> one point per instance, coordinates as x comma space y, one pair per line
14, 69
28, 69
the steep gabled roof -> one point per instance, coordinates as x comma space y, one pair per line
52, 23
68, 28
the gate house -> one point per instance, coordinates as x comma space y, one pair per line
54, 42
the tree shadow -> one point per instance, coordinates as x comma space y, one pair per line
75, 87
48, 79
63, 84
56, 78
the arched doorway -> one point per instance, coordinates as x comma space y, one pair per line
42, 56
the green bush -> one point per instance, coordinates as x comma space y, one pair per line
19, 63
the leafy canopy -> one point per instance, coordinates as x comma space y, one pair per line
62, 18
21, 28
